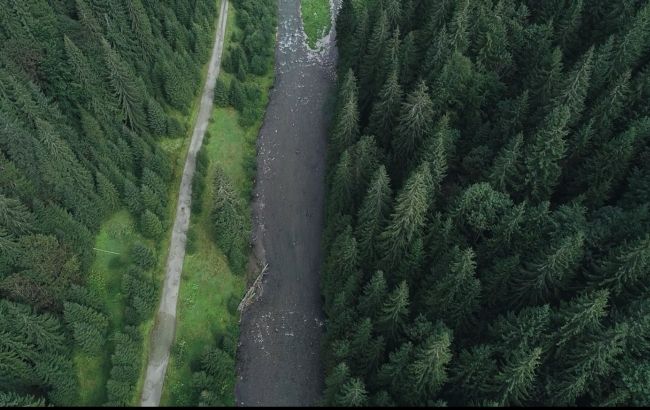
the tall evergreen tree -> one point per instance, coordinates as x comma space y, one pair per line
407, 219
373, 214
415, 124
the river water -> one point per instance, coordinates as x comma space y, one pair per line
279, 355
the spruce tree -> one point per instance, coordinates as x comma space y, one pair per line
394, 373
394, 311
156, 118
352, 394
407, 219
590, 359
508, 166
386, 110
625, 267
374, 295
126, 90
151, 225
516, 379
455, 294
548, 148
370, 63
346, 127
335, 382
341, 196
341, 263
427, 371
415, 124
584, 314
221, 95
550, 272
373, 214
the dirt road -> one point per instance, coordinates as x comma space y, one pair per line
162, 336
278, 361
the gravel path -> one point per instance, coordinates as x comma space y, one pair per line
162, 336
278, 360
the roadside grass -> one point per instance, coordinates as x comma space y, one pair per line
210, 292
316, 19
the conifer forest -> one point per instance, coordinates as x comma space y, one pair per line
487, 219
478, 233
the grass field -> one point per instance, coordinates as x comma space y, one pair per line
210, 292
316, 19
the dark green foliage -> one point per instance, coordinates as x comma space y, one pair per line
15, 400
510, 266
373, 215
125, 89
151, 225
212, 385
140, 293
87, 325
126, 361
174, 128
221, 95
236, 95
230, 224
34, 353
143, 256
156, 118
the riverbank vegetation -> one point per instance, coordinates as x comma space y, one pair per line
202, 363
488, 214
91, 93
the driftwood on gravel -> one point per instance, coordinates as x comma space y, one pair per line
254, 292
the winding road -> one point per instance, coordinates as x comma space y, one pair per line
279, 356
162, 336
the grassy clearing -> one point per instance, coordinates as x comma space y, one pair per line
210, 292
316, 19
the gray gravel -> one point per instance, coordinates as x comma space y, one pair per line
162, 336
279, 356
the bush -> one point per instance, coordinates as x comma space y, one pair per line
198, 182
259, 65
233, 304
249, 116
253, 94
190, 245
